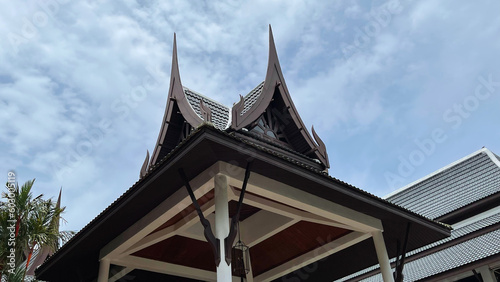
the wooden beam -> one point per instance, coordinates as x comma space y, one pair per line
168, 268
120, 274
293, 197
160, 214
263, 225
288, 211
313, 256
176, 229
165, 268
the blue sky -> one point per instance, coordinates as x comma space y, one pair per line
396, 89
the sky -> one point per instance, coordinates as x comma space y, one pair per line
396, 89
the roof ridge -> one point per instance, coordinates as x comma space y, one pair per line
422, 179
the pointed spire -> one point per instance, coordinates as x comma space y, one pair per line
321, 147
273, 54
144, 168
175, 76
175, 95
58, 204
274, 84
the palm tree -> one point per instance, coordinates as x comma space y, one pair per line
36, 230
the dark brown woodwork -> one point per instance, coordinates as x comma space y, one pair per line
176, 96
181, 250
290, 243
188, 210
207, 232
275, 82
235, 219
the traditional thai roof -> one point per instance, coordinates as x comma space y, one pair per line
293, 209
271, 102
466, 194
267, 111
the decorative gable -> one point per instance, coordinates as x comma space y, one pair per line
267, 112
269, 108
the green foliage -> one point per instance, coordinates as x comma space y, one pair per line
34, 224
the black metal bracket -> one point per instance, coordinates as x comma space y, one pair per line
209, 235
477, 276
229, 240
400, 256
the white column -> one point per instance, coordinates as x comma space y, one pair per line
222, 225
103, 271
383, 258
486, 274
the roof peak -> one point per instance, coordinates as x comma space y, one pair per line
187, 109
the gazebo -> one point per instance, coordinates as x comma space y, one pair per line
239, 193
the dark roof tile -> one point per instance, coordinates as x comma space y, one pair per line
220, 113
251, 97
450, 258
445, 263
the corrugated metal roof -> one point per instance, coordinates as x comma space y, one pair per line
446, 263
468, 181
220, 113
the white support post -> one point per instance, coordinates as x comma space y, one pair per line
103, 270
222, 225
486, 273
383, 258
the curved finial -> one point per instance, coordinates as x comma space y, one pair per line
206, 112
237, 109
144, 168
58, 204
175, 76
321, 146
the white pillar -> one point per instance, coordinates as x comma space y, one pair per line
486, 274
222, 225
103, 271
383, 258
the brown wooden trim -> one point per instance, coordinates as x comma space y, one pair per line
275, 81
175, 95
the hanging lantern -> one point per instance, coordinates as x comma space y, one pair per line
240, 259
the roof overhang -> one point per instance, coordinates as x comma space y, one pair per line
289, 193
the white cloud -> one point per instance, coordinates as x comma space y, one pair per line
71, 72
